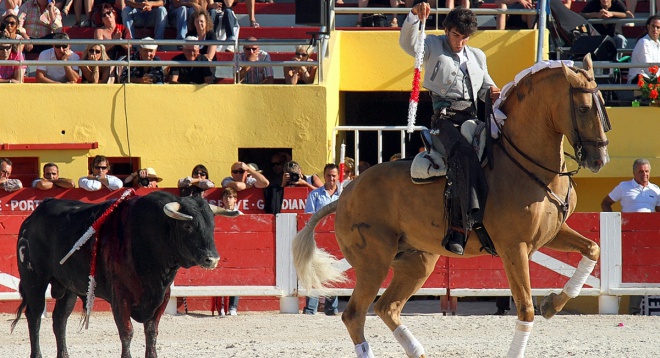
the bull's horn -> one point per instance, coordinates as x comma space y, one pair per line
172, 210
222, 211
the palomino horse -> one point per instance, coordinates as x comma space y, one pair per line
383, 220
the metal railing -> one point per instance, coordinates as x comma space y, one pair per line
356, 130
128, 62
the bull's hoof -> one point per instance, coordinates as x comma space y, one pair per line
547, 307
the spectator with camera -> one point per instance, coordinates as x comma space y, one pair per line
197, 183
52, 179
143, 178
293, 176
244, 176
99, 177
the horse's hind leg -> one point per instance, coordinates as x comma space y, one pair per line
568, 240
411, 269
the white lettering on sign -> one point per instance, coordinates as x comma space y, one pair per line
293, 204
24, 205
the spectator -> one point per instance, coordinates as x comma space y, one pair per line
277, 161
96, 74
8, 73
77, 10
229, 202
243, 177
5, 172
638, 195
250, 74
143, 178
363, 165
349, 171
39, 19
11, 30
58, 74
293, 176
647, 49
525, 22
200, 26
378, 20
111, 30
225, 23
395, 156
194, 75
249, 4
302, 74
12, 6
317, 199
52, 179
145, 13
153, 74
197, 183
179, 14
608, 9
100, 177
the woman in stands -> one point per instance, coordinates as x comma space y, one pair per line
197, 183
302, 74
11, 29
111, 30
96, 74
10, 74
201, 26
647, 49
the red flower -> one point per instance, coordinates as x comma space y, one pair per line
653, 69
653, 94
640, 82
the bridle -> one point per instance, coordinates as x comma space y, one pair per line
604, 121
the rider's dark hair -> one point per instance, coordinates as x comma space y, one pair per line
461, 19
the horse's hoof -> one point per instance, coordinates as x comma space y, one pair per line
547, 307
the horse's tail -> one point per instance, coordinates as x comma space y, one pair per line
315, 267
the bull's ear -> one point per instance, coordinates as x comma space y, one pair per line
223, 212
172, 210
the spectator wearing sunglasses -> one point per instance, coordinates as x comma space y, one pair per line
99, 177
111, 30
254, 74
96, 74
58, 74
244, 176
8, 73
302, 74
39, 19
196, 183
11, 30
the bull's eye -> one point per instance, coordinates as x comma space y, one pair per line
188, 227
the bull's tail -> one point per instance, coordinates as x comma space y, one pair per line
20, 309
315, 267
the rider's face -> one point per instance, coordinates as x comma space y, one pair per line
457, 41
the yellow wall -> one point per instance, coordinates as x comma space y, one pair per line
174, 127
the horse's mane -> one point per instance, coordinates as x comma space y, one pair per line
499, 116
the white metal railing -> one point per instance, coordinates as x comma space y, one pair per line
356, 130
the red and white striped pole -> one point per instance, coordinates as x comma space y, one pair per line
342, 160
414, 95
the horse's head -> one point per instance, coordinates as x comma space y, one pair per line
585, 120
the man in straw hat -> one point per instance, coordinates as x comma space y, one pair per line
143, 178
139, 74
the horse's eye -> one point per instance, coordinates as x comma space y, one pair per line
584, 109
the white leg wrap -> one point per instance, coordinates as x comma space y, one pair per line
363, 350
519, 343
406, 339
575, 283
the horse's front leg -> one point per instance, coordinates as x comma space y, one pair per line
516, 265
568, 240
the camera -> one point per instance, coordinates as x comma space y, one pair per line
144, 181
294, 177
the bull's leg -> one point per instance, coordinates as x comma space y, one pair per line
63, 308
33, 290
411, 269
151, 328
121, 311
371, 264
568, 240
516, 264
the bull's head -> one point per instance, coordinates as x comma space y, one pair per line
195, 232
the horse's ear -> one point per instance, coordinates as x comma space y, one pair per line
571, 76
588, 65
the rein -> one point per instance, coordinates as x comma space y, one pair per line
562, 203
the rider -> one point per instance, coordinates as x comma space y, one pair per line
456, 75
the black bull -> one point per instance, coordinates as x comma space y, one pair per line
142, 244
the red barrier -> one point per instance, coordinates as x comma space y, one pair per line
640, 247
